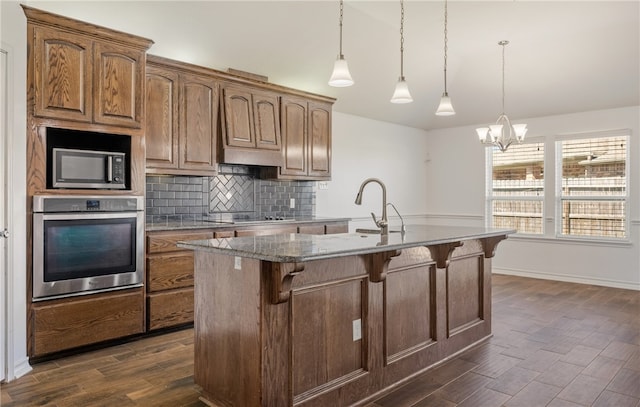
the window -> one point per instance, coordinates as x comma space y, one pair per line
591, 186
515, 192
591, 176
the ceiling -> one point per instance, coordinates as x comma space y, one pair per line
563, 56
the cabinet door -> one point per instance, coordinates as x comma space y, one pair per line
118, 85
238, 114
294, 136
161, 118
266, 113
319, 159
62, 75
199, 103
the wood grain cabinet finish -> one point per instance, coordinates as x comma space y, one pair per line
251, 128
118, 85
62, 75
82, 79
181, 122
169, 288
198, 123
169, 285
73, 322
306, 140
161, 118
340, 334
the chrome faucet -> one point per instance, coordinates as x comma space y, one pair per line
383, 223
403, 228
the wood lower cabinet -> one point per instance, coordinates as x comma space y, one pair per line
170, 278
169, 287
78, 321
347, 328
82, 76
181, 120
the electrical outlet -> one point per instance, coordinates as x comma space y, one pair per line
292, 203
357, 330
237, 263
323, 185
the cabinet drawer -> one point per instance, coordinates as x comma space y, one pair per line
168, 271
170, 308
336, 228
69, 323
166, 241
311, 229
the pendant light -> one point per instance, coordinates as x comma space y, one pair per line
503, 133
445, 108
401, 93
341, 77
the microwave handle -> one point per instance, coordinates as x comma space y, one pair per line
109, 168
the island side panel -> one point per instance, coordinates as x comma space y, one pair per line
468, 297
227, 330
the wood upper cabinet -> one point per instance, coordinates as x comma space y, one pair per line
162, 118
319, 138
118, 85
306, 140
251, 128
198, 123
62, 75
181, 122
83, 79
294, 134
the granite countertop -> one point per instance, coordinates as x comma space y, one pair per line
215, 224
290, 248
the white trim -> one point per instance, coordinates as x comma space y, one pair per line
15, 368
4, 327
566, 278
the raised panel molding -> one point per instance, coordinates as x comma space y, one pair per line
336, 357
409, 317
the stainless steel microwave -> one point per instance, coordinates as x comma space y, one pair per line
88, 169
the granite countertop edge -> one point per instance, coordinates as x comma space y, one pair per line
204, 224
283, 249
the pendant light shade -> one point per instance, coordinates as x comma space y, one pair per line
446, 107
340, 77
401, 93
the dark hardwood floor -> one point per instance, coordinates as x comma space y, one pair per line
554, 344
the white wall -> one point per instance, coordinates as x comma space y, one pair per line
456, 182
13, 37
364, 148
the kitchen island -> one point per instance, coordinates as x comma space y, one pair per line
335, 320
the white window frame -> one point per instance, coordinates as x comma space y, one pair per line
489, 198
559, 199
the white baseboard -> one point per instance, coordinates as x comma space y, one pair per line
20, 368
567, 278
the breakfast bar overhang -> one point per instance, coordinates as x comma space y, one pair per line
335, 320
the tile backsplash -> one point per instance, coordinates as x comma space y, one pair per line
236, 191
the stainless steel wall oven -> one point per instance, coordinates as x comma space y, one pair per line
86, 244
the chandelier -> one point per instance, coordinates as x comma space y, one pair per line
503, 133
